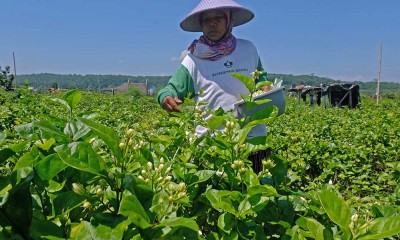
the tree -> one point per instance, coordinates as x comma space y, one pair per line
6, 78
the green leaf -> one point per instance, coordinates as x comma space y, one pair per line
72, 97
5, 187
264, 190
264, 115
147, 155
144, 193
104, 232
244, 208
21, 177
108, 135
280, 170
295, 233
251, 178
55, 186
233, 236
46, 145
26, 160
314, 227
18, 147
111, 233
260, 140
67, 201
222, 199
258, 202
242, 133
70, 129
131, 208
129, 182
336, 209
225, 222
18, 210
3, 136
5, 154
155, 206
259, 85
252, 107
219, 143
383, 211
179, 222
82, 131
246, 228
380, 228
48, 130
214, 122
62, 102
249, 82
76, 129
83, 230
27, 131
11, 151
245, 97
80, 155
249, 106
59, 122
49, 167
200, 176
43, 227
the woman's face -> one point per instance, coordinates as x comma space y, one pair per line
214, 24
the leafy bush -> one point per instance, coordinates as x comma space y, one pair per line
114, 170
6, 78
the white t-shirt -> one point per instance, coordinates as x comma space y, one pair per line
220, 89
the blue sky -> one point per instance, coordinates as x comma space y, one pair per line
337, 39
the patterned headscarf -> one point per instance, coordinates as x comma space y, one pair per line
207, 49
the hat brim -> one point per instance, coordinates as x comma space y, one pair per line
240, 16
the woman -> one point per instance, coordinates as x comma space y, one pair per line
204, 73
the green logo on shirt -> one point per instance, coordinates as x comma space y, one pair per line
228, 64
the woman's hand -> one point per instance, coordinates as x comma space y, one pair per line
170, 104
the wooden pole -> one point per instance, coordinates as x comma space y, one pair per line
379, 76
15, 71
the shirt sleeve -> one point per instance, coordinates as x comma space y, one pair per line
180, 85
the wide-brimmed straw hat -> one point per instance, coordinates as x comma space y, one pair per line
240, 15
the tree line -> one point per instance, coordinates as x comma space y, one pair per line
86, 82
94, 82
6, 78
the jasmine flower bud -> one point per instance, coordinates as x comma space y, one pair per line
129, 132
78, 188
149, 165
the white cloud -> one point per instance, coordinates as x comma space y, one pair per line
181, 57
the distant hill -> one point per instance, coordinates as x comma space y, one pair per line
312, 80
95, 82
86, 82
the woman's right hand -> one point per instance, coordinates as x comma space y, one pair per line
170, 104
